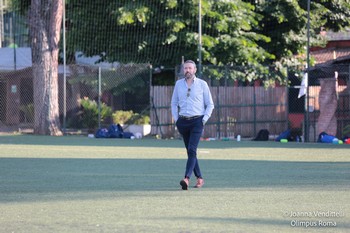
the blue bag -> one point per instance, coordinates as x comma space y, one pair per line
115, 131
127, 135
325, 138
102, 133
283, 135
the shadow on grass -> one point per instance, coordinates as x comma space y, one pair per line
147, 142
21, 176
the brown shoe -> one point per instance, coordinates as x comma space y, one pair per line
199, 183
184, 183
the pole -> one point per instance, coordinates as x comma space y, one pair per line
200, 38
308, 76
14, 41
99, 97
1, 22
64, 68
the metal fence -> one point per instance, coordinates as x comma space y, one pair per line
121, 88
245, 108
241, 108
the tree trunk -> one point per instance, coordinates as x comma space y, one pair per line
45, 27
327, 121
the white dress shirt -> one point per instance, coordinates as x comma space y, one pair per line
191, 100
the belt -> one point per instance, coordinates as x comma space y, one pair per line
190, 118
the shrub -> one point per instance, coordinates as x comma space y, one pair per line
121, 117
346, 131
129, 117
28, 111
138, 119
90, 113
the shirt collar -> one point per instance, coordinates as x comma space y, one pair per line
194, 79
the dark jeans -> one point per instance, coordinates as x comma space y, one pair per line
191, 131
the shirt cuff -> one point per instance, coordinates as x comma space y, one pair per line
205, 118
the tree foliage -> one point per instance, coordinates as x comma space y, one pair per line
251, 33
285, 22
160, 32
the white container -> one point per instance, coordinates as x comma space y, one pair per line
143, 129
238, 138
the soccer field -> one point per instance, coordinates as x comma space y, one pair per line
79, 184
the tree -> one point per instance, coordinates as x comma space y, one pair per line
285, 22
249, 33
161, 32
45, 27
45, 18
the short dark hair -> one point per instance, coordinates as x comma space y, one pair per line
191, 62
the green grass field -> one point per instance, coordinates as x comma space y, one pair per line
79, 184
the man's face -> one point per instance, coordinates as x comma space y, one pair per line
189, 70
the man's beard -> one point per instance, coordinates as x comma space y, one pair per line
188, 75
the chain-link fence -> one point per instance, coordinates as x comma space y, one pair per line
241, 108
123, 88
90, 92
328, 100
244, 108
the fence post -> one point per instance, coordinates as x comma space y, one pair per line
64, 67
307, 122
99, 97
218, 133
254, 109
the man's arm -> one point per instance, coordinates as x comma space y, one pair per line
175, 104
208, 102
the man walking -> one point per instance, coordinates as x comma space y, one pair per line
191, 107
